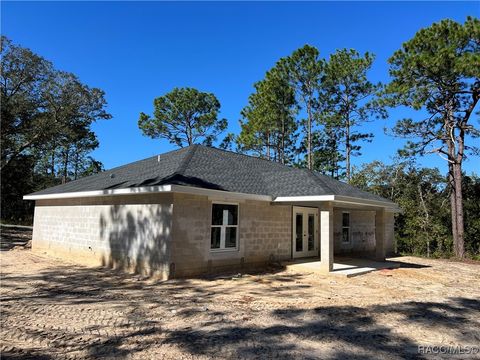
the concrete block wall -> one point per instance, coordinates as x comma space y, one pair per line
266, 231
130, 232
390, 246
168, 235
362, 232
264, 234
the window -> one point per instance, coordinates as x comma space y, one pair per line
224, 232
345, 227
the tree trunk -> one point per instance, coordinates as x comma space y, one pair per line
283, 142
456, 147
65, 168
309, 136
348, 148
52, 164
453, 207
77, 160
457, 182
188, 133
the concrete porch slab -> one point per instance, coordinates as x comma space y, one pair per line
346, 267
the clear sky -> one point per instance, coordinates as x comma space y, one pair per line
138, 51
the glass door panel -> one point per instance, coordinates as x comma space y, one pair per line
299, 232
305, 232
311, 232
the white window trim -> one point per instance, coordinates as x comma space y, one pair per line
222, 247
347, 227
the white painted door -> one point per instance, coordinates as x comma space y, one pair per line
305, 232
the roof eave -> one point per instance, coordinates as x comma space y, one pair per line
216, 194
339, 199
220, 194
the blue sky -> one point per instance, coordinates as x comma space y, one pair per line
138, 51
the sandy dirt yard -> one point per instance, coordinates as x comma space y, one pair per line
52, 309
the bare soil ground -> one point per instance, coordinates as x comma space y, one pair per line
52, 309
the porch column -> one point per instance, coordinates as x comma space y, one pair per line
380, 235
326, 238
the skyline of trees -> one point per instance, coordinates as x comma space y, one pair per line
307, 111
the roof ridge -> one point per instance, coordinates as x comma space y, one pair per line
314, 174
182, 167
276, 163
140, 160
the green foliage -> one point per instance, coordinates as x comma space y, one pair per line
424, 225
326, 100
184, 116
471, 198
303, 70
327, 157
349, 100
23, 123
46, 118
228, 142
437, 71
268, 122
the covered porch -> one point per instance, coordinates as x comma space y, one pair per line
350, 236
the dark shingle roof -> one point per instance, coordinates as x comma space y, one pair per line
212, 168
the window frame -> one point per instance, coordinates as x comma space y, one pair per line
223, 228
348, 227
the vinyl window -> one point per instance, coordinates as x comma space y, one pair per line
224, 228
345, 227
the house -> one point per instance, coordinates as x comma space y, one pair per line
200, 209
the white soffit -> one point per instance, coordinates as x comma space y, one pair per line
217, 194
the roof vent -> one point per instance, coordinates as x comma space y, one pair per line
112, 176
158, 158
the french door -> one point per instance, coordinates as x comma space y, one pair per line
305, 232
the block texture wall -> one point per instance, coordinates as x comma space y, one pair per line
264, 234
168, 235
362, 232
390, 246
130, 232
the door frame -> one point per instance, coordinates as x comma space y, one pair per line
316, 243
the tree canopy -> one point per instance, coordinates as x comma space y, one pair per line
438, 71
304, 69
350, 101
184, 116
46, 118
268, 127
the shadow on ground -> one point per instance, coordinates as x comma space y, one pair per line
69, 311
14, 237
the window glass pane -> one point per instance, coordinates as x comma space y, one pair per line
224, 214
217, 214
230, 237
299, 232
346, 219
346, 235
231, 213
215, 238
311, 232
